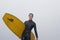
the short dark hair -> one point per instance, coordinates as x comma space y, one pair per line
31, 14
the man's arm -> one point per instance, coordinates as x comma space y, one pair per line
35, 29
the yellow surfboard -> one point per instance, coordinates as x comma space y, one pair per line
15, 25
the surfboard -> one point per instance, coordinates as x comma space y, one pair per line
15, 25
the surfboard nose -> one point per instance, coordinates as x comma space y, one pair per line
5, 15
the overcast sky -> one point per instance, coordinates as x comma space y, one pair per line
46, 15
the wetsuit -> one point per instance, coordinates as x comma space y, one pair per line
26, 33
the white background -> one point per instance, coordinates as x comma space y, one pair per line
46, 15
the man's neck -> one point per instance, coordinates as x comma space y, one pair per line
30, 19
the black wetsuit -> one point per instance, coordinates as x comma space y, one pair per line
29, 25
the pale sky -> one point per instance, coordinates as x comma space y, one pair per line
46, 15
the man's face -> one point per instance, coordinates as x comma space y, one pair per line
30, 17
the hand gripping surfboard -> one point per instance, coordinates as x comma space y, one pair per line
15, 25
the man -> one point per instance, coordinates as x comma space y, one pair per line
29, 25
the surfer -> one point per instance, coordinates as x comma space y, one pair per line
29, 25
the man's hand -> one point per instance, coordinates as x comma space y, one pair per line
36, 38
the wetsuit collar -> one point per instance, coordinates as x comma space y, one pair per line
30, 20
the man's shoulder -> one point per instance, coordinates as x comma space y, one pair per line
34, 22
26, 21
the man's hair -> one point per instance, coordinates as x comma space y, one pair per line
31, 14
